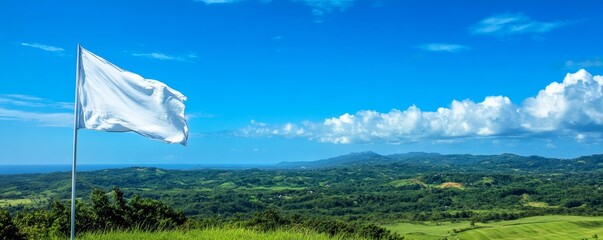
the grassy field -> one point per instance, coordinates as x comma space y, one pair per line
542, 227
426, 230
210, 234
545, 227
14, 202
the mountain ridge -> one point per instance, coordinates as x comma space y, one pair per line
502, 162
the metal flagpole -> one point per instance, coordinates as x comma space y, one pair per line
75, 122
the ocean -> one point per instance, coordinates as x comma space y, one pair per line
25, 169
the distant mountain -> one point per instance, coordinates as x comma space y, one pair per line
466, 162
453, 159
352, 159
413, 157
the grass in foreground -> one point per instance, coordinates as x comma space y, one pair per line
210, 234
541, 227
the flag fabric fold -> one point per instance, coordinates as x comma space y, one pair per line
114, 100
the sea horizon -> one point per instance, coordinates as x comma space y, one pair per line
10, 169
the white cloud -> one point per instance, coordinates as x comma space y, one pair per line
319, 7
595, 62
322, 7
31, 101
513, 23
216, 1
200, 115
443, 47
574, 104
572, 108
47, 48
17, 107
42, 119
162, 56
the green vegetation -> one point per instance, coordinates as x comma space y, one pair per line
103, 213
14, 202
8, 230
116, 217
211, 234
542, 227
431, 193
426, 230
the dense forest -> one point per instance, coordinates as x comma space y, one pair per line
359, 188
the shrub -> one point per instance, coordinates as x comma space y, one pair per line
8, 230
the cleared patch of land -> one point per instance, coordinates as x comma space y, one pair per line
537, 204
451, 185
426, 230
527, 201
542, 227
408, 182
14, 202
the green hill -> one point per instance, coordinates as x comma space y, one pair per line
503, 163
365, 191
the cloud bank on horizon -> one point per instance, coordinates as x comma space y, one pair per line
572, 109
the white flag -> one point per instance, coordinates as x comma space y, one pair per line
114, 100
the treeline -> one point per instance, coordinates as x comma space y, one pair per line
484, 217
272, 220
102, 213
111, 211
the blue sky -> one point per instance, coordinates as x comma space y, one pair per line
288, 80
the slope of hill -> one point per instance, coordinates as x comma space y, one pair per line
552, 227
359, 186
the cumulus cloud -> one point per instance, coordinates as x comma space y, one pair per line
513, 23
575, 104
572, 108
443, 47
17, 107
47, 48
